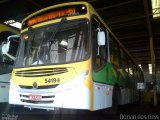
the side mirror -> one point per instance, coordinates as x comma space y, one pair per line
10, 48
5, 50
101, 38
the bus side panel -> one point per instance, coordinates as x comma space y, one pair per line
4, 87
107, 75
102, 96
104, 81
4, 92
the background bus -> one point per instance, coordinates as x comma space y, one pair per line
69, 58
6, 63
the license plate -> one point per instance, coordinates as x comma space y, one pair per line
35, 97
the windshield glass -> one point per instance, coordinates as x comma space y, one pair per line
54, 44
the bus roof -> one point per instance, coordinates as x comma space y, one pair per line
4, 27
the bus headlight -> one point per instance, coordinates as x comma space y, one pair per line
76, 81
80, 78
15, 87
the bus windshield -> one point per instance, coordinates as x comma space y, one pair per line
54, 44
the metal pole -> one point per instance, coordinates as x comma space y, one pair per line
145, 3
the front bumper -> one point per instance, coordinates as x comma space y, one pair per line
77, 97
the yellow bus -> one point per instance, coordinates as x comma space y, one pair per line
69, 58
6, 63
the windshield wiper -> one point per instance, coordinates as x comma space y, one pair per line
32, 35
38, 54
51, 39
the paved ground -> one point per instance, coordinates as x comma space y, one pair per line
127, 112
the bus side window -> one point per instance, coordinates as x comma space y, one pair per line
99, 52
130, 68
114, 51
124, 60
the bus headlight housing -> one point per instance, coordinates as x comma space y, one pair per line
76, 81
80, 78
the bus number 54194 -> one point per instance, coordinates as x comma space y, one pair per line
52, 80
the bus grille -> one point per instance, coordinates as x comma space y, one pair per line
41, 72
39, 87
37, 102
